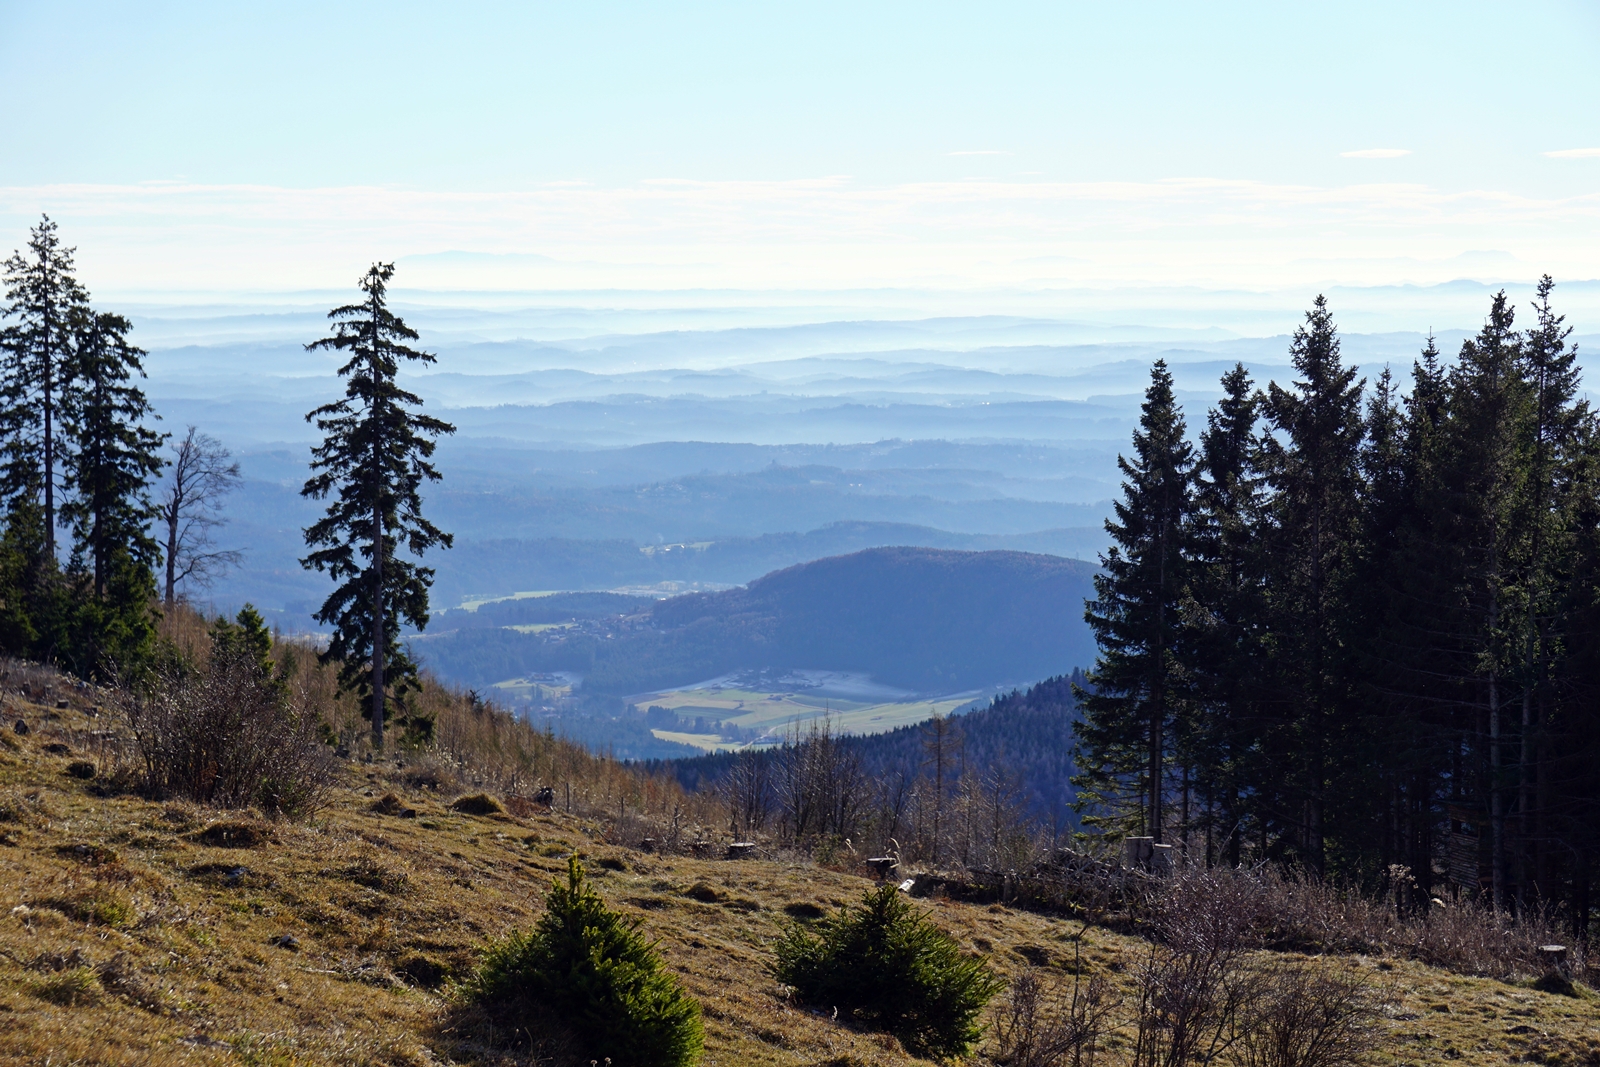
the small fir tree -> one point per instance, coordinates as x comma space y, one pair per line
588, 970
372, 461
890, 968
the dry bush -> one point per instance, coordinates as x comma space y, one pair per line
1305, 1014
1193, 985
1046, 1023
231, 738
1464, 936
1288, 911
1204, 994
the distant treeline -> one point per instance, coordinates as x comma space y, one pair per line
1358, 627
501, 566
1021, 739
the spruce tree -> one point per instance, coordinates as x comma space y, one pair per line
114, 459
1484, 481
1138, 685
1393, 755
373, 459
44, 301
1225, 649
1312, 467
1545, 515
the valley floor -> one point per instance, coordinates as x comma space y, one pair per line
134, 932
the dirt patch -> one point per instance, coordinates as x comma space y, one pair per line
391, 804
234, 835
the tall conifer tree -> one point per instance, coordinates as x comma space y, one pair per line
1312, 467
1484, 480
1138, 685
113, 460
1225, 650
373, 459
43, 300
1556, 420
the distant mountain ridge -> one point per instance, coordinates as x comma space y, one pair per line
506, 565
929, 620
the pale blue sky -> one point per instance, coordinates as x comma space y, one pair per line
247, 107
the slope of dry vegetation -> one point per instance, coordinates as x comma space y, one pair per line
137, 931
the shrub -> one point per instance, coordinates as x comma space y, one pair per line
1305, 1014
890, 968
70, 988
230, 737
477, 804
588, 970
1045, 1024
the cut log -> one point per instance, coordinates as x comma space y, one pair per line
883, 866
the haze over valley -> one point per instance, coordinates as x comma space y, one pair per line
657, 443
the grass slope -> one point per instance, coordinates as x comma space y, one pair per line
130, 935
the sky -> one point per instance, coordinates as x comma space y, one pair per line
215, 147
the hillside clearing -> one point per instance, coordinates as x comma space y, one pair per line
128, 934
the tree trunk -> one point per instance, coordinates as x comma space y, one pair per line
172, 556
1497, 817
1158, 692
1157, 715
377, 630
49, 455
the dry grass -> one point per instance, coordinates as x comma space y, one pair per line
137, 932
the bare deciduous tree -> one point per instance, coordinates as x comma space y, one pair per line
747, 789
822, 789
202, 474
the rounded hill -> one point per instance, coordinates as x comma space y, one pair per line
921, 618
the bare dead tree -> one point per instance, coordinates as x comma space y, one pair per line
747, 790
822, 789
203, 472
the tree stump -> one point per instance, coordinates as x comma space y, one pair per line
1554, 958
739, 850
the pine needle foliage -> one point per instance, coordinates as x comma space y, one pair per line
886, 966
587, 969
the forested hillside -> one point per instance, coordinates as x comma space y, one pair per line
1359, 626
1021, 743
923, 619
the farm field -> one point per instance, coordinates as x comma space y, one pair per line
532, 690
773, 713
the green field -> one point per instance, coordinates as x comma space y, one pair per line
523, 689
774, 714
474, 603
